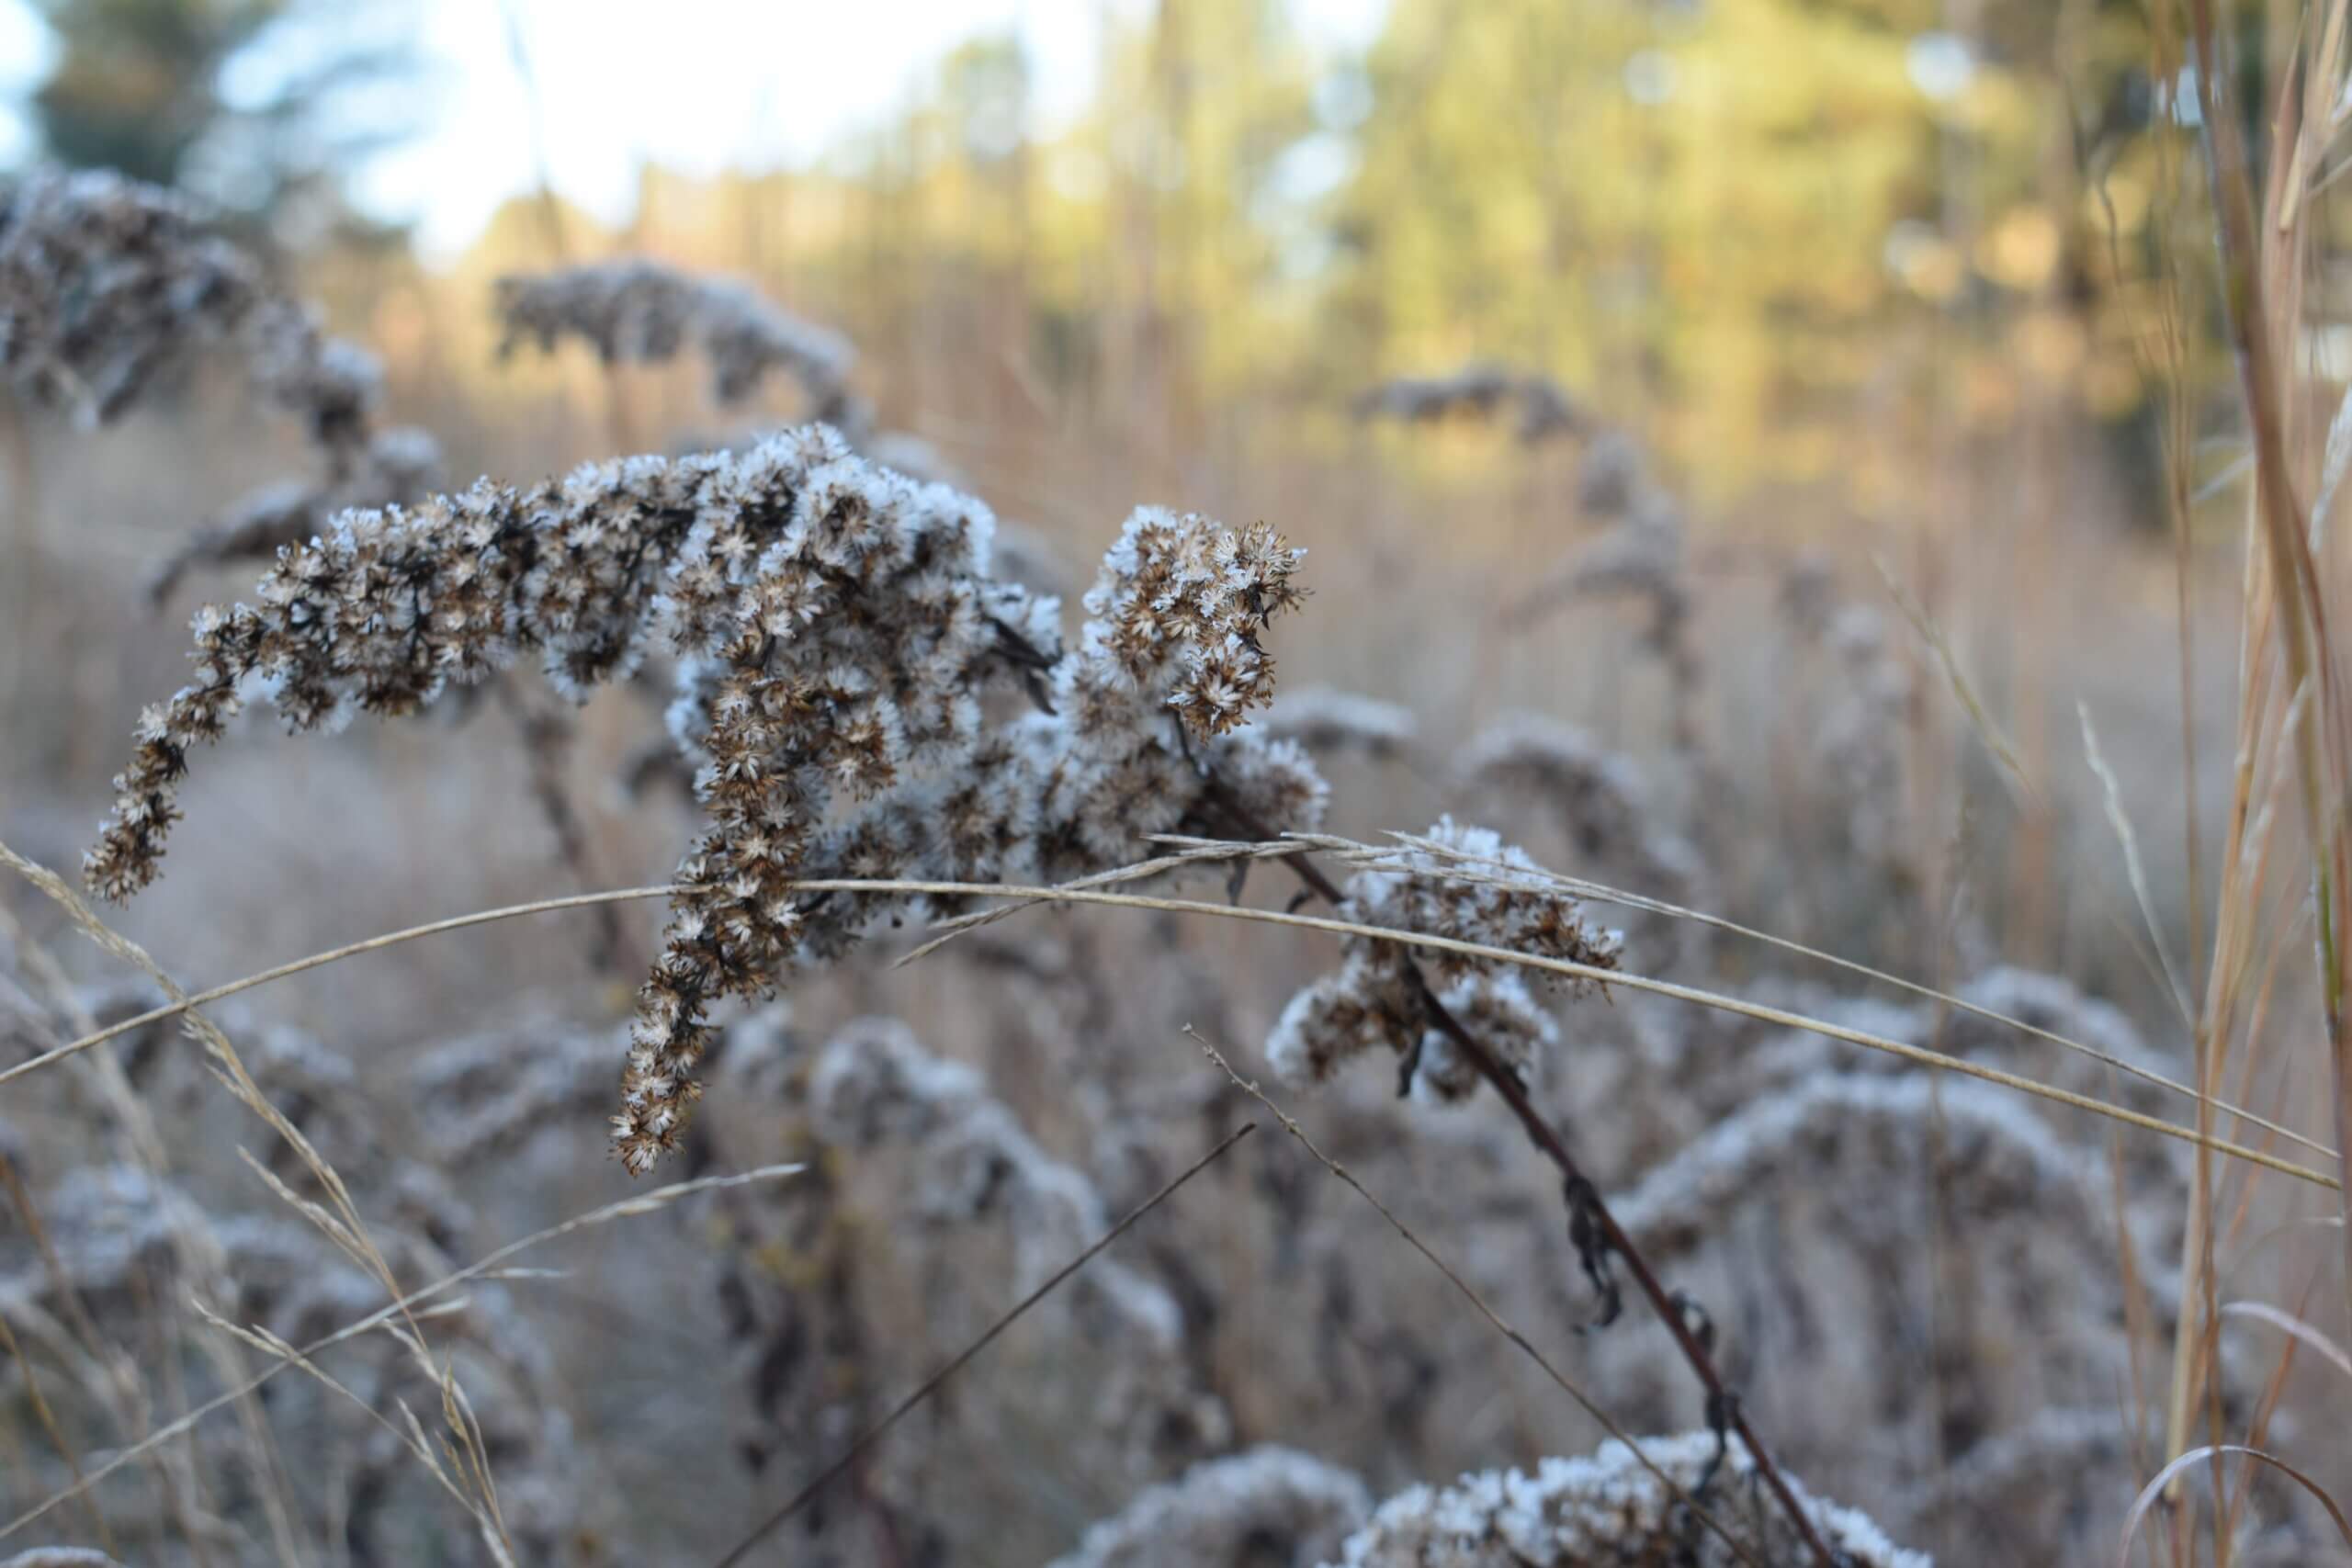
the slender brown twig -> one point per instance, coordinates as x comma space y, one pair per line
1585, 1204
1031, 895
1525, 1345
547, 741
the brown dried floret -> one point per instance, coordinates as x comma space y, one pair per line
836, 626
1378, 996
639, 309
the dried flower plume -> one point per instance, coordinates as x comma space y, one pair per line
1373, 999
1607, 1508
1479, 391
837, 629
105, 282
639, 310
1267, 1505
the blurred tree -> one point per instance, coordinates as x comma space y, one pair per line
1796, 243
253, 103
1740, 223
1177, 191
136, 81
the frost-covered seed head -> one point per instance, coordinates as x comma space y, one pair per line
105, 282
1372, 1001
639, 310
835, 624
1607, 1508
1270, 1504
1544, 411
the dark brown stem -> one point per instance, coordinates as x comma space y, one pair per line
545, 738
1547, 1140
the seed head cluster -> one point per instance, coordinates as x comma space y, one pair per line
105, 282
1544, 412
1376, 997
639, 310
1855, 1135
1267, 1503
1334, 723
838, 633
1609, 1509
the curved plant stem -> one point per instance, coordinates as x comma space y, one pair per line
1026, 895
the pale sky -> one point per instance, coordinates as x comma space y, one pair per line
693, 84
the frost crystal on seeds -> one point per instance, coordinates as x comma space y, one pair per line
642, 310
837, 630
1373, 999
1607, 1508
105, 282
1271, 1505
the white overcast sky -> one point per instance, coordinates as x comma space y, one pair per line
693, 84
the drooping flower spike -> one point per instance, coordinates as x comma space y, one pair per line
838, 633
